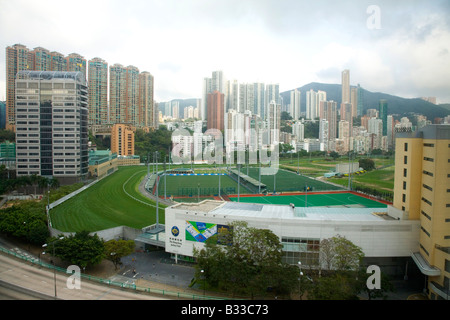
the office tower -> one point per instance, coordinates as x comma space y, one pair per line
147, 110
122, 140
215, 110
375, 127
421, 192
383, 112
295, 104
175, 110
360, 101
344, 136
274, 122
345, 86
117, 93
16, 60
52, 128
98, 91
76, 62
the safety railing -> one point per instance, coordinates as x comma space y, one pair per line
131, 286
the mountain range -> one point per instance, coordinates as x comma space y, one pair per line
397, 106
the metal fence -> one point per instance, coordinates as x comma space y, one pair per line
130, 286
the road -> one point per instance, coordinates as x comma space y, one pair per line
32, 282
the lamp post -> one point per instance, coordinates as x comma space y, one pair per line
299, 279
53, 261
204, 282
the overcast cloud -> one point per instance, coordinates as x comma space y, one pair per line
290, 42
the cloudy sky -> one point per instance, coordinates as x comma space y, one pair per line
398, 47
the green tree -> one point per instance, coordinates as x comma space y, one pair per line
116, 249
247, 261
339, 253
367, 164
80, 249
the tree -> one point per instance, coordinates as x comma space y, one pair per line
338, 253
245, 260
367, 164
80, 249
116, 249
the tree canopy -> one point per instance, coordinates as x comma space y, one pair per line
248, 261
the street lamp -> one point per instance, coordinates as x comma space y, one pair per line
53, 261
299, 279
204, 282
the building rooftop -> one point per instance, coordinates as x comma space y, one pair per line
50, 75
266, 211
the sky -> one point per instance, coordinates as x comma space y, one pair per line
397, 47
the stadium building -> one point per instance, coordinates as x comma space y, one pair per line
385, 238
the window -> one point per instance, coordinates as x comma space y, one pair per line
427, 173
405, 171
405, 160
403, 197
425, 231
404, 185
426, 201
428, 159
425, 215
427, 187
406, 146
428, 144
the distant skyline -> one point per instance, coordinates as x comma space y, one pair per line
289, 42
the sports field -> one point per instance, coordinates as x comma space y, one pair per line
192, 185
286, 180
319, 199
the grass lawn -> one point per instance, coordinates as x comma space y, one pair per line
288, 181
106, 205
380, 179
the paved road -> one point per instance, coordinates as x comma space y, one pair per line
41, 280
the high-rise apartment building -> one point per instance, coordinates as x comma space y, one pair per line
147, 109
132, 96
421, 192
215, 112
98, 91
122, 140
295, 104
117, 93
216, 83
274, 122
345, 80
16, 60
328, 111
76, 62
52, 125
360, 101
383, 113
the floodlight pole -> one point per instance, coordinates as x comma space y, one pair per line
157, 195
